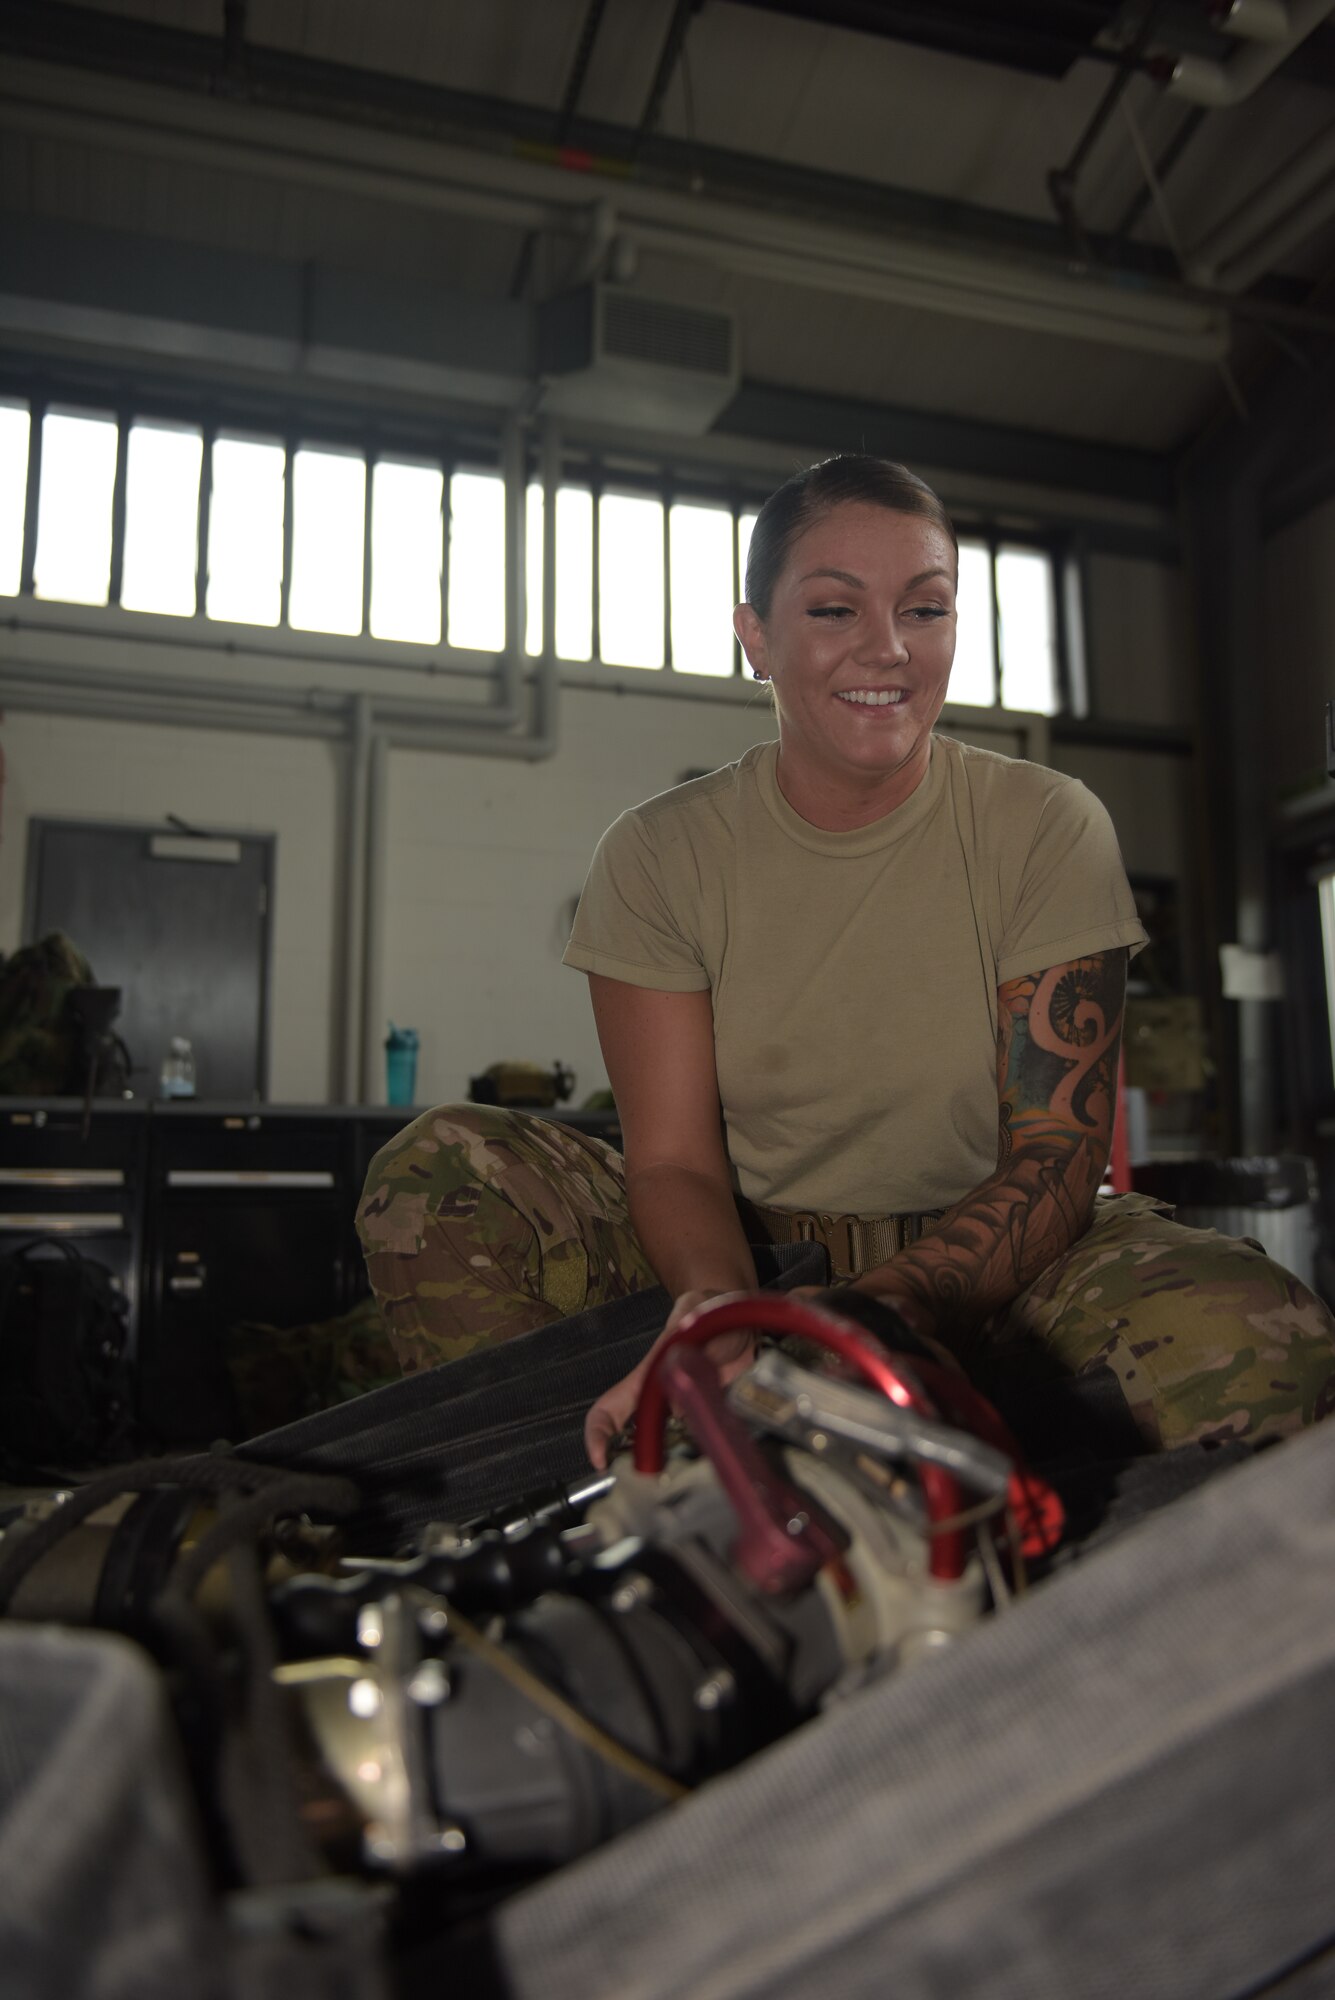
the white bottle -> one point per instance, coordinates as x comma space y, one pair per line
178, 1069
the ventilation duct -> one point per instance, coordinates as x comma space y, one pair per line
612, 356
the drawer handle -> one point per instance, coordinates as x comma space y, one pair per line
61, 1177
214, 1177
66, 1223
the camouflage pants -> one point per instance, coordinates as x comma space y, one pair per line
479, 1224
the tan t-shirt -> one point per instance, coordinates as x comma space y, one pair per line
854, 975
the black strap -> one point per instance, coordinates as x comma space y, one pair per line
455, 1442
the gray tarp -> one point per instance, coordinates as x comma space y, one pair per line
103, 1890
1123, 1786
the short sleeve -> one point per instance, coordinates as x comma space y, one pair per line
630, 924
1072, 898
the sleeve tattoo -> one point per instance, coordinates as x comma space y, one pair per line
1058, 1033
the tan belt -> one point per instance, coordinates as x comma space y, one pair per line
854, 1243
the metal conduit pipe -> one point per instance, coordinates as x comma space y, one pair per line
1217, 85
480, 711
355, 815
544, 720
373, 960
516, 592
388, 734
30, 696
1244, 231
171, 687
530, 747
35, 684
406, 725
167, 687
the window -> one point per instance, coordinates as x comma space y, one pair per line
407, 551
78, 481
574, 572
700, 588
477, 561
324, 537
245, 556
1027, 625
15, 429
630, 580
328, 541
1326, 897
161, 519
745, 523
1006, 648
973, 677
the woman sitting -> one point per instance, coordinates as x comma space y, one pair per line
864, 986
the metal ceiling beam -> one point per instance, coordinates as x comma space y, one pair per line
674, 42
579, 68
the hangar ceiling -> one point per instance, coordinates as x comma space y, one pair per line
1099, 220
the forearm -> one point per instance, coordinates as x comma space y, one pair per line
689, 1230
994, 1242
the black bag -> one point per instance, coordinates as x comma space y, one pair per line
65, 1386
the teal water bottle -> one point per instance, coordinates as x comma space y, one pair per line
400, 1065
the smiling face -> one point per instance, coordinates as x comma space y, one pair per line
858, 645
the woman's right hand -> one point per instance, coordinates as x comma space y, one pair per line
731, 1353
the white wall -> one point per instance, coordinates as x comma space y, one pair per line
485, 858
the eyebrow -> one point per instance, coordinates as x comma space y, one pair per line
857, 583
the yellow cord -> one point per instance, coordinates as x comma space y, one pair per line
562, 1711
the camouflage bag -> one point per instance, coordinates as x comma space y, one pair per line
41, 1042
281, 1374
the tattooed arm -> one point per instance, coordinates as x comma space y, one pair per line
1057, 1039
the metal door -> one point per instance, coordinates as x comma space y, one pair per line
181, 924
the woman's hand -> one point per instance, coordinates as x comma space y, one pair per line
731, 1353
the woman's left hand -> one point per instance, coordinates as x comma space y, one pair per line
731, 1353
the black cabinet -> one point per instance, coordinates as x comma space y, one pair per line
206, 1215
86, 1188
249, 1215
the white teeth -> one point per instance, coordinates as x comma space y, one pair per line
872, 697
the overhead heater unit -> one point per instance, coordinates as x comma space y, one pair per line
612, 356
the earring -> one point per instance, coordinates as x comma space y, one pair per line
759, 676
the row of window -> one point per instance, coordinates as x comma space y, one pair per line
255, 531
